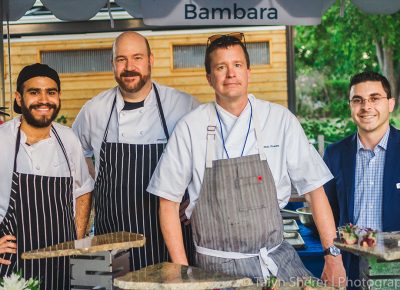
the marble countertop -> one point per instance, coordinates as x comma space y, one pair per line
285, 287
100, 243
387, 247
175, 277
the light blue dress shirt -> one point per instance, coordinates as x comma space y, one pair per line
368, 193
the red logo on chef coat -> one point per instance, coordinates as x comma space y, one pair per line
259, 178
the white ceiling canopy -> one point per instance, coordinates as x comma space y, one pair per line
15, 9
378, 6
133, 7
74, 10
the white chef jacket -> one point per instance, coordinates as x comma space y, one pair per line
290, 156
42, 158
139, 126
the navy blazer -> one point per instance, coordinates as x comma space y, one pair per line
341, 160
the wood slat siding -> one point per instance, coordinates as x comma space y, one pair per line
267, 81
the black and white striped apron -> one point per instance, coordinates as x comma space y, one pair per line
237, 225
121, 201
40, 214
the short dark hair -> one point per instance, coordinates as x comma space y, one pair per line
224, 42
370, 76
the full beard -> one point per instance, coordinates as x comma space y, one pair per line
43, 121
143, 79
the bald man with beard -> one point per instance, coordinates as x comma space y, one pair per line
126, 129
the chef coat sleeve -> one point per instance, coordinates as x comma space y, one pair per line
83, 182
81, 128
194, 104
174, 170
305, 166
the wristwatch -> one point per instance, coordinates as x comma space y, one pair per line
332, 250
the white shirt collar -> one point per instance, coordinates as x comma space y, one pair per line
382, 143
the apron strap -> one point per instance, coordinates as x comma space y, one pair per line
62, 148
259, 136
211, 135
267, 264
109, 118
211, 128
161, 112
17, 143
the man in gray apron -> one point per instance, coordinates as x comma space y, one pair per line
126, 129
44, 173
238, 158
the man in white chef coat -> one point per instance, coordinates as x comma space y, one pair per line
238, 158
45, 185
126, 129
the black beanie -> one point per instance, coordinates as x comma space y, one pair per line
31, 71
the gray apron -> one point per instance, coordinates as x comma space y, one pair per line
237, 225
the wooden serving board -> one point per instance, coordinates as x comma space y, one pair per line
108, 242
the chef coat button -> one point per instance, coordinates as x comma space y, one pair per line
37, 167
141, 111
141, 133
123, 135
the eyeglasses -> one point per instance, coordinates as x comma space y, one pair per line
358, 101
234, 37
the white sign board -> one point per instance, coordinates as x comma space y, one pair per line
231, 12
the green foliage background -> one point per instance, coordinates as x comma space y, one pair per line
328, 55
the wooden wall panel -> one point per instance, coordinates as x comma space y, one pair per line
267, 81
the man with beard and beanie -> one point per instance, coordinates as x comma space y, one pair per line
126, 129
45, 185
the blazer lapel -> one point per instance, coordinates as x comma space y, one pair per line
391, 169
349, 170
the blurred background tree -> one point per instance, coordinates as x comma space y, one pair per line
328, 55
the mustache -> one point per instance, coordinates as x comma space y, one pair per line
48, 105
130, 73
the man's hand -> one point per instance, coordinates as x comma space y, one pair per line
334, 273
7, 246
322, 214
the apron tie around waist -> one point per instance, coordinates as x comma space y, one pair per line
268, 265
236, 194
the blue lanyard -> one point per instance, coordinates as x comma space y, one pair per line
222, 133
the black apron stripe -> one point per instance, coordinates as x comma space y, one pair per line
161, 112
121, 200
62, 148
42, 207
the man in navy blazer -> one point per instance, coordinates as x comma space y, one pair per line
366, 166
